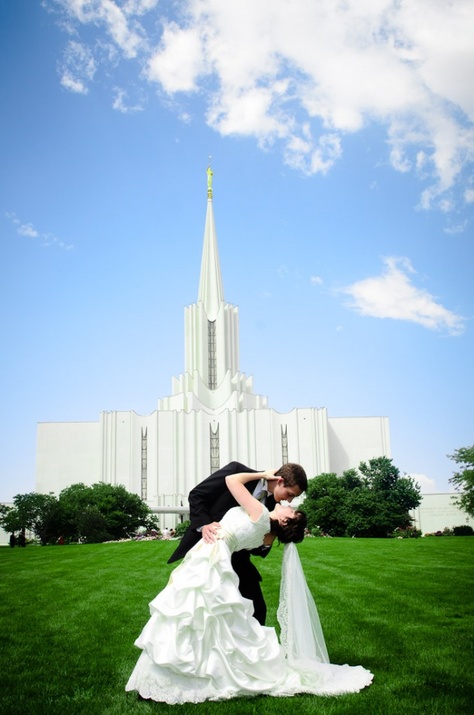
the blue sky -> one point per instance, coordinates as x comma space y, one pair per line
342, 146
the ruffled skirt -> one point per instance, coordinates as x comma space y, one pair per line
203, 643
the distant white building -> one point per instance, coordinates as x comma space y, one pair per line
437, 512
211, 418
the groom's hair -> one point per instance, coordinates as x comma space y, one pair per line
292, 531
293, 475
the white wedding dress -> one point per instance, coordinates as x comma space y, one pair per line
203, 643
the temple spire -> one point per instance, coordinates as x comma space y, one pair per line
211, 292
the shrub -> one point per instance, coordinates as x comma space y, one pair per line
463, 530
181, 528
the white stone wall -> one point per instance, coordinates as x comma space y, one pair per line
357, 439
438, 511
178, 448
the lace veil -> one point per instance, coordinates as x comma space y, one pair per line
301, 633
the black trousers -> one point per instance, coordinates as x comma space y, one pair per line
249, 583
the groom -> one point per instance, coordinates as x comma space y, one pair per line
210, 500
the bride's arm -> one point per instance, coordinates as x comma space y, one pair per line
236, 485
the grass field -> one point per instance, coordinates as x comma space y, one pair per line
402, 608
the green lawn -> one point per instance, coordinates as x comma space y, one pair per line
402, 608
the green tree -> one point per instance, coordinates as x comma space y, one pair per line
9, 519
464, 479
34, 512
325, 504
351, 480
97, 513
371, 501
74, 501
379, 474
366, 514
393, 496
92, 525
102, 512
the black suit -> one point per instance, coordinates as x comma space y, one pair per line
208, 502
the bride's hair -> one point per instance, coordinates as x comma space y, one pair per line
292, 531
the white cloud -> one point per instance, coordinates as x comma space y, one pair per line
45, 239
427, 484
72, 84
393, 295
121, 103
23, 229
328, 151
316, 280
77, 68
138, 7
453, 228
116, 20
49, 239
339, 67
302, 75
27, 229
247, 113
178, 62
469, 196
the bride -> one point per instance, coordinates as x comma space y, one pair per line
202, 641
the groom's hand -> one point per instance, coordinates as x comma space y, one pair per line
209, 532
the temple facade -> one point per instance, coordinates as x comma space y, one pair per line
211, 417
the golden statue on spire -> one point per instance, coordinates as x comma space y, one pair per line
210, 174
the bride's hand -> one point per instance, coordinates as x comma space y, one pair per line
209, 532
269, 475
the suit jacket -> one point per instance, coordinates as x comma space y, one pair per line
209, 501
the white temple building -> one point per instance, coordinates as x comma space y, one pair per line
212, 417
